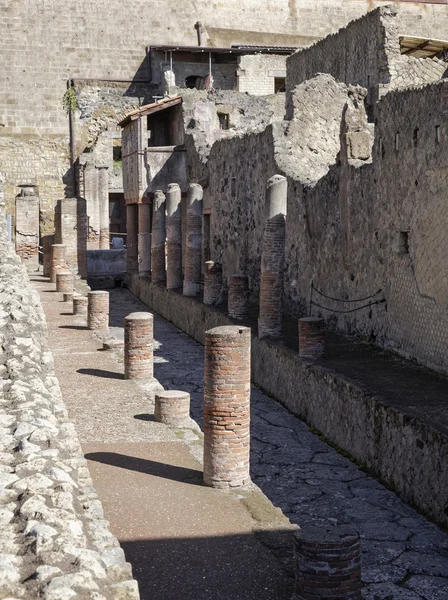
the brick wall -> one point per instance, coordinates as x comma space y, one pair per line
257, 73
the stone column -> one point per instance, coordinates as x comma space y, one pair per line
91, 192
172, 408
103, 204
27, 228
238, 300
328, 563
227, 406
47, 243
174, 237
158, 269
57, 260
64, 282
98, 310
138, 346
273, 258
132, 238
80, 304
212, 283
144, 239
72, 233
311, 338
193, 248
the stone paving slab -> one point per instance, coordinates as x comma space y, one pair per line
404, 555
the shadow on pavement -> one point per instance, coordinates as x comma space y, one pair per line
101, 373
149, 467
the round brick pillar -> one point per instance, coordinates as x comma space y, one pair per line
193, 246
98, 310
64, 282
172, 407
227, 406
212, 282
57, 261
68, 296
80, 305
328, 563
273, 258
173, 237
311, 338
158, 269
138, 346
238, 300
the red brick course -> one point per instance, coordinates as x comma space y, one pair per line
311, 338
328, 563
193, 246
227, 406
57, 261
238, 300
138, 346
98, 310
172, 407
64, 282
212, 282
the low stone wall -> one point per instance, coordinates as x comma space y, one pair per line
54, 541
405, 453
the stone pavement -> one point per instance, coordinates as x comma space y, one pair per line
405, 557
184, 540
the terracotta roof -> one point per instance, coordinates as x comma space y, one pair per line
149, 109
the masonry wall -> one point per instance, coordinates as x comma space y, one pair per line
47, 43
357, 226
367, 53
257, 73
53, 532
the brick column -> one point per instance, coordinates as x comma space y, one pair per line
57, 260
91, 193
138, 346
80, 304
273, 258
82, 231
132, 238
311, 338
98, 310
173, 237
328, 563
27, 228
64, 282
47, 243
193, 247
238, 300
227, 406
68, 296
212, 283
158, 238
103, 205
172, 408
144, 239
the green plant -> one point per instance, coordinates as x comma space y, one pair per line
69, 100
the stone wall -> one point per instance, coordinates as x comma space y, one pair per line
359, 220
257, 73
367, 53
46, 44
54, 540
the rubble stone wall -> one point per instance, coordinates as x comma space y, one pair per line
353, 226
54, 540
